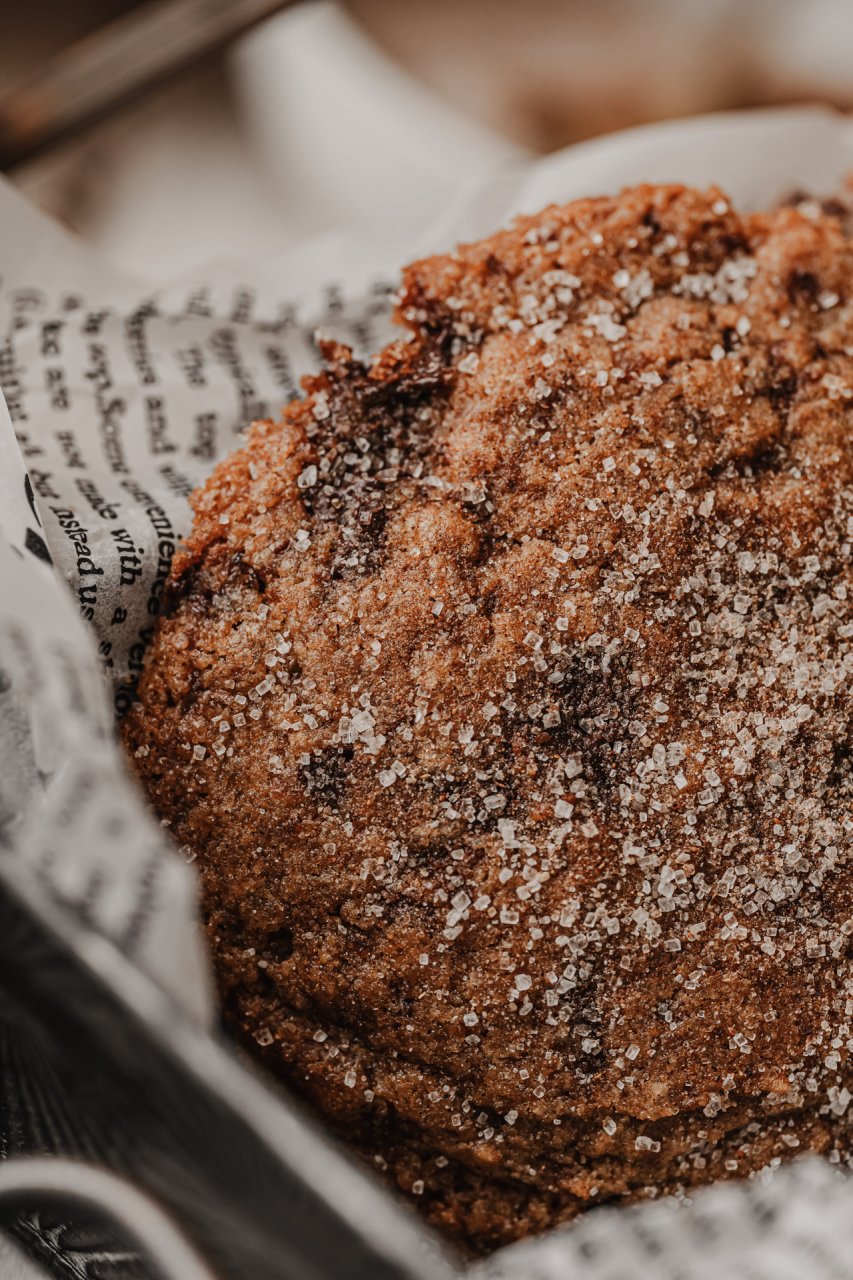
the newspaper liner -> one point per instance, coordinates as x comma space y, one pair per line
118, 399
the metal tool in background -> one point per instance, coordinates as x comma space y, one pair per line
94, 77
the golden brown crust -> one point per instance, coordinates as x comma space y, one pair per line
504, 693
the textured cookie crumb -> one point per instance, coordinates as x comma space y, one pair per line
503, 692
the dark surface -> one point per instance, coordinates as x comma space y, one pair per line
127, 1082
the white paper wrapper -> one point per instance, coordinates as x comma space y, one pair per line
118, 399
795, 1226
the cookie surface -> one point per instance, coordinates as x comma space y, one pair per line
503, 692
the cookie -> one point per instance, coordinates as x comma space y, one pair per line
503, 693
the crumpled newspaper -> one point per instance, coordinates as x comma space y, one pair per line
118, 399
794, 1225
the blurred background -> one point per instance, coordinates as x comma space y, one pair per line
372, 113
